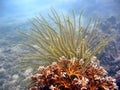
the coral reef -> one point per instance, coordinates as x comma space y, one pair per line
72, 75
65, 36
110, 57
9, 52
117, 76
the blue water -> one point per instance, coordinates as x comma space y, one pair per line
15, 15
14, 12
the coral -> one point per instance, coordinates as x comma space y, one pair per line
66, 37
70, 74
117, 77
110, 57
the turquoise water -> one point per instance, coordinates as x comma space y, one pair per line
15, 15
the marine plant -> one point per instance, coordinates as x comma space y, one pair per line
65, 36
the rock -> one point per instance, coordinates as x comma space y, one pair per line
2, 70
110, 56
112, 20
15, 77
28, 72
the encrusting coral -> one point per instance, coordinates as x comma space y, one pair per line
72, 75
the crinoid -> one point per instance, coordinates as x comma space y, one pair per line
64, 36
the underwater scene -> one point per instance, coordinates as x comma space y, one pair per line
59, 44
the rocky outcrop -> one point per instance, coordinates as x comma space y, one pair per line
110, 57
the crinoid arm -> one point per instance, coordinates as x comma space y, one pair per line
63, 35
